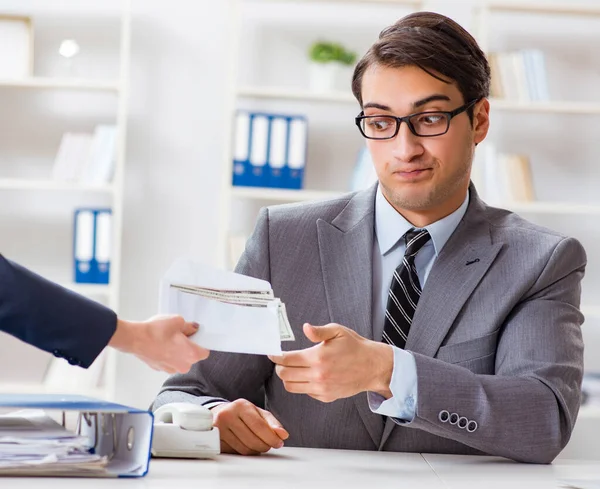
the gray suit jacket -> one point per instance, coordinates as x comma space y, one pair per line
496, 335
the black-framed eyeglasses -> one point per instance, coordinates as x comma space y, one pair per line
423, 124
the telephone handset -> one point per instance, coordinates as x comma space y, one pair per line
184, 430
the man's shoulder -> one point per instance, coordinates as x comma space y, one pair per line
517, 231
310, 212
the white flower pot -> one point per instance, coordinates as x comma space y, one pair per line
323, 76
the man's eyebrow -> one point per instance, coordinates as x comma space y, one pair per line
431, 98
375, 105
416, 105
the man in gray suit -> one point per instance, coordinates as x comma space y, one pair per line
446, 325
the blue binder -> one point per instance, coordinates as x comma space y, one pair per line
121, 433
297, 138
269, 150
92, 245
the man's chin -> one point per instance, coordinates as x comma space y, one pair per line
411, 197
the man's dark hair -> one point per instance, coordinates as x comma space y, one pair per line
437, 45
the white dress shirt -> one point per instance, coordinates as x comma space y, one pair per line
388, 251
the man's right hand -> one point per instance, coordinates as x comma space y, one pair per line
247, 429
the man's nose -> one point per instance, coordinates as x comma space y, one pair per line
407, 146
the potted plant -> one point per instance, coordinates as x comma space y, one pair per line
327, 60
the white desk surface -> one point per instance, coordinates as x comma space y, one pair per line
465, 472
331, 469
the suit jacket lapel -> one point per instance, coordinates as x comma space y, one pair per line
457, 271
346, 252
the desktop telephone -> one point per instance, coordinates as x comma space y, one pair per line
184, 430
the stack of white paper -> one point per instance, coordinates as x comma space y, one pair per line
236, 313
32, 443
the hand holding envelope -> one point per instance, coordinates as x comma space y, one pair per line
236, 313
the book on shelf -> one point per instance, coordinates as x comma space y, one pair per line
86, 158
519, 75
269, 150
502, 177
16, 46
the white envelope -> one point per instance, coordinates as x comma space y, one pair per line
223, 327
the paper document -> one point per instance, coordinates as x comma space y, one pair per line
32, 443
236, 313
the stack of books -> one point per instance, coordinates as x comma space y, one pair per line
519, 75
502, 177
86, 158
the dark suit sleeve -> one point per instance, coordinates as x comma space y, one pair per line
51, 317
228, 376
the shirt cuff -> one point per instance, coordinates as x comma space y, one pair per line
214, 403
403, 385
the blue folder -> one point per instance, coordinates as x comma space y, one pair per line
269, 150
122, 433
91, 246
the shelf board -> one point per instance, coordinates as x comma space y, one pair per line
282, 195
413, 3
285, 195
88, 289
283, 93
539, 8
555, 107
550, 207
295, 94
26, 184
61, 83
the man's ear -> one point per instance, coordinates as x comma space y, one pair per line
481, 120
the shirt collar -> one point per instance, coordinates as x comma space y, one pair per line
390, 225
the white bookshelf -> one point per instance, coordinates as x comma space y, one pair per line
281, 195
25, 184
579, 217
555, 208
283, 93
81, 194
61, 84
239, 91
574, 8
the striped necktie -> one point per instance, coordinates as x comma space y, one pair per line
405, 291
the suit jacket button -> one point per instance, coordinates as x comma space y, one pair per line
454, 418
443, 416
462, 422
472, 426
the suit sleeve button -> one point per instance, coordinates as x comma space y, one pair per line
443, 416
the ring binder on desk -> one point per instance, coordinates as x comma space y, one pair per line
121, 434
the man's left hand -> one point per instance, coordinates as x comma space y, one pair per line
342, 364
